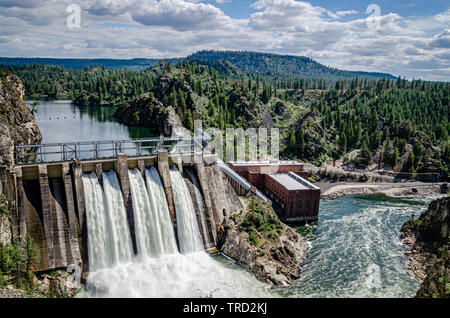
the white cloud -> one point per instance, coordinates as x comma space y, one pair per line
443, 17
173, 28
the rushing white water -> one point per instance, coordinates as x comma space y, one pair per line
189, 236
121, 245
196, 275
160, 211
98, 234
108, 235
171, 274
200, 203
356, 251
148, 234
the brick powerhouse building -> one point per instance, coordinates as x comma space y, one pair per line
284, 182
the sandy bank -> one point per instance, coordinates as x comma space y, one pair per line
392, 189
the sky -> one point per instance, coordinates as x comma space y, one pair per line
404, 38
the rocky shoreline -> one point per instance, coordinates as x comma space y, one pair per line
427, 239
420, 256
258, 241
56, 284
388, 189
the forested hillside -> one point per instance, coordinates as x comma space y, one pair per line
390, 124
276, 67
271, 66
79, 64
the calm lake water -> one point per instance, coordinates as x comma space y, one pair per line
355, 248
61, 121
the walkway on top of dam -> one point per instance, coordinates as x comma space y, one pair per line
54, 153
106, 149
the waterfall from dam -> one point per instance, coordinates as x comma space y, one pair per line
199, 200
109, 241
161, 215
154, 231
118, 224
188, 232
159, 270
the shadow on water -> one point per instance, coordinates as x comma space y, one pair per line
381, 197
105, 114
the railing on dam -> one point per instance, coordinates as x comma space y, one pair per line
92, 150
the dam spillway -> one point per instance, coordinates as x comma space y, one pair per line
105, 213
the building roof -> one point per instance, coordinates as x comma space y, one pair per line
288, 182
292, 181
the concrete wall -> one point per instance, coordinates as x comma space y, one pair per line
47, 202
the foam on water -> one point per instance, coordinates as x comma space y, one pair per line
357, 251
194, 275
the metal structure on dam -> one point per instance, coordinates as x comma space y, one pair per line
46, 197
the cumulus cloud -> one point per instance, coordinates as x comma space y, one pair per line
173, 28
180, 15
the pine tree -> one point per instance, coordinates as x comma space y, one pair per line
408, 166
343, 143
301, 140
395, 156
291, 141
188, 121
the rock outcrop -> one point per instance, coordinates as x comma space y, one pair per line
5, 229
57, 284
5, 224
261, 243
147, 111
429, 258
85, 99
17, 124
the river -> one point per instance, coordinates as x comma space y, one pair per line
355, 246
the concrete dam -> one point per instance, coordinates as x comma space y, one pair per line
102, 212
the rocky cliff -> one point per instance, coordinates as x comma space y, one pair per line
429, 258
147, 111
17, 124
5, 224
261, 243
